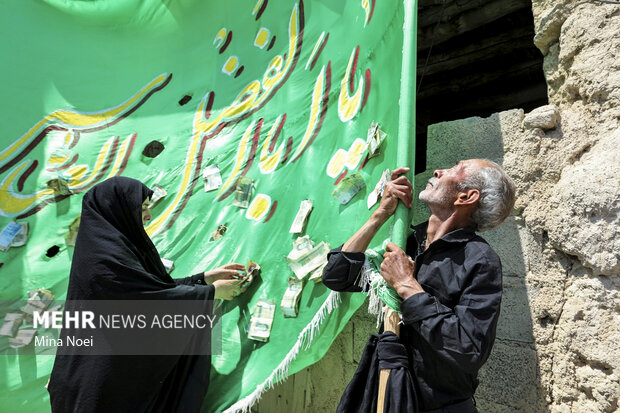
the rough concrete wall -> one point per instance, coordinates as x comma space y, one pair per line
558, 340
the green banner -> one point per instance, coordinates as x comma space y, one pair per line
282, 92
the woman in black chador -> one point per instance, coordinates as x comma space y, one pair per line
114, 259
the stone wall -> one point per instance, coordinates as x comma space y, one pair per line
569, 185
558, 339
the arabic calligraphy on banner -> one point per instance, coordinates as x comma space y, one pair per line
261, 140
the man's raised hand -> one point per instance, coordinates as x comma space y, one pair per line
398, 187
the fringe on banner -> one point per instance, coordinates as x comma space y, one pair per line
304, 340
380, 294
368, 281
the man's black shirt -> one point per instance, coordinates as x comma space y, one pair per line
449, 329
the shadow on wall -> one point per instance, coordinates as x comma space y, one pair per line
510, 380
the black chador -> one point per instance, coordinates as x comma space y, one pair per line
114, 259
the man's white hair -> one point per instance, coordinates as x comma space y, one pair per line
497, 195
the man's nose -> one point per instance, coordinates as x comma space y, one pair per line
438, 173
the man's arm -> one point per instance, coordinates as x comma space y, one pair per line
361, 239
344, 263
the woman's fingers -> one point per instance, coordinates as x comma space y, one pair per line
227, 289
229, 274
233, 266
240, 288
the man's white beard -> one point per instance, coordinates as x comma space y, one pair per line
441, 198
434, 199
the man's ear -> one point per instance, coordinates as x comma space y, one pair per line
469, 197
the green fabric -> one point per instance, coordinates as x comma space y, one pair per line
86, 85
378, 285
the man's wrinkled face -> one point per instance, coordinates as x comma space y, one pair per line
146, 212
442, 188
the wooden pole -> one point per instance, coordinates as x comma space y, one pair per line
390, 323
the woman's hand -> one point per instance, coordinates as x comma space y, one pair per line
225, 272
227, 289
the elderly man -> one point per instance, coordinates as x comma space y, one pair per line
452, 288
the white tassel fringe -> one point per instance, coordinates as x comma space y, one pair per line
304, 340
